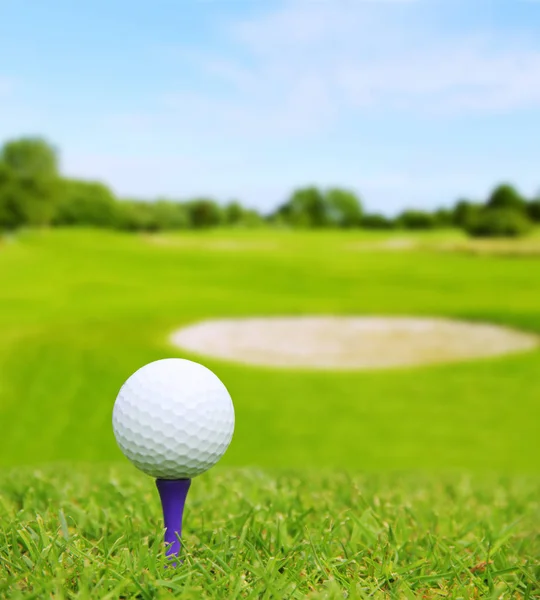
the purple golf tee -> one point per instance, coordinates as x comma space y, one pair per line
173, 494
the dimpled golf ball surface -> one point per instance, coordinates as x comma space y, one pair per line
173, 419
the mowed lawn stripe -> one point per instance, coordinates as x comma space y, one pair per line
83, 309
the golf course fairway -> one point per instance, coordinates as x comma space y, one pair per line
417, 481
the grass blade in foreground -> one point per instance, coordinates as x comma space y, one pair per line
67, 532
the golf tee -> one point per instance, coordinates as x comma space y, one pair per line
173, 494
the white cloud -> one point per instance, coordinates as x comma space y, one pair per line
262, 109
309, 65
256, 115
470, 77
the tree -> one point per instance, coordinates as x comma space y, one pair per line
443, 217
506, 197
236, 215
33, 175
135, 215
499, 222
86, 203
376, 221
233, 213
533, 210
11, 213
305, 208
343, 208
38, 198
416, 219
31, 157
252, 218
204, 213
170, 214
464, 211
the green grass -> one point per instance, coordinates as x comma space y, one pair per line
253, 534
81, 310
391, 484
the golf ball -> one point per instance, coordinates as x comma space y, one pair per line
173, 419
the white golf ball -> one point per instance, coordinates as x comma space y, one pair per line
173, 419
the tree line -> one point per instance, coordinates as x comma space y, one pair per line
33, 193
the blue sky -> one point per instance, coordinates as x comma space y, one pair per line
409, 102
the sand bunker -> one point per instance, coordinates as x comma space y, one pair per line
392, 244
349, 343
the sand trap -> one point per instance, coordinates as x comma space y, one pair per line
349, 343
523, 248
392, 244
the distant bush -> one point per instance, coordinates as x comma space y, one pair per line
343, 208
376, 221
169, 214
506, 197
464, 212
89, 203
11, 210
444, 217
30, 157
235, 215
204, 213
533, 210
145, 216
35, 198
416, 219
85, 203
33, 193
135, 215
251, 218
28, 182
315, 208
305, 208
499, 222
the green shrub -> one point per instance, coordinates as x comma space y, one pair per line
11, 211
376, 221
464, 212
31, 157
135, 215
85, 203
169, 214
343, 208
204, 213
29, 182
312, 207
251, 218
444, 217
35, 199
506, 196
306, 207
234, 214
533, 210
498, 222
416, 219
